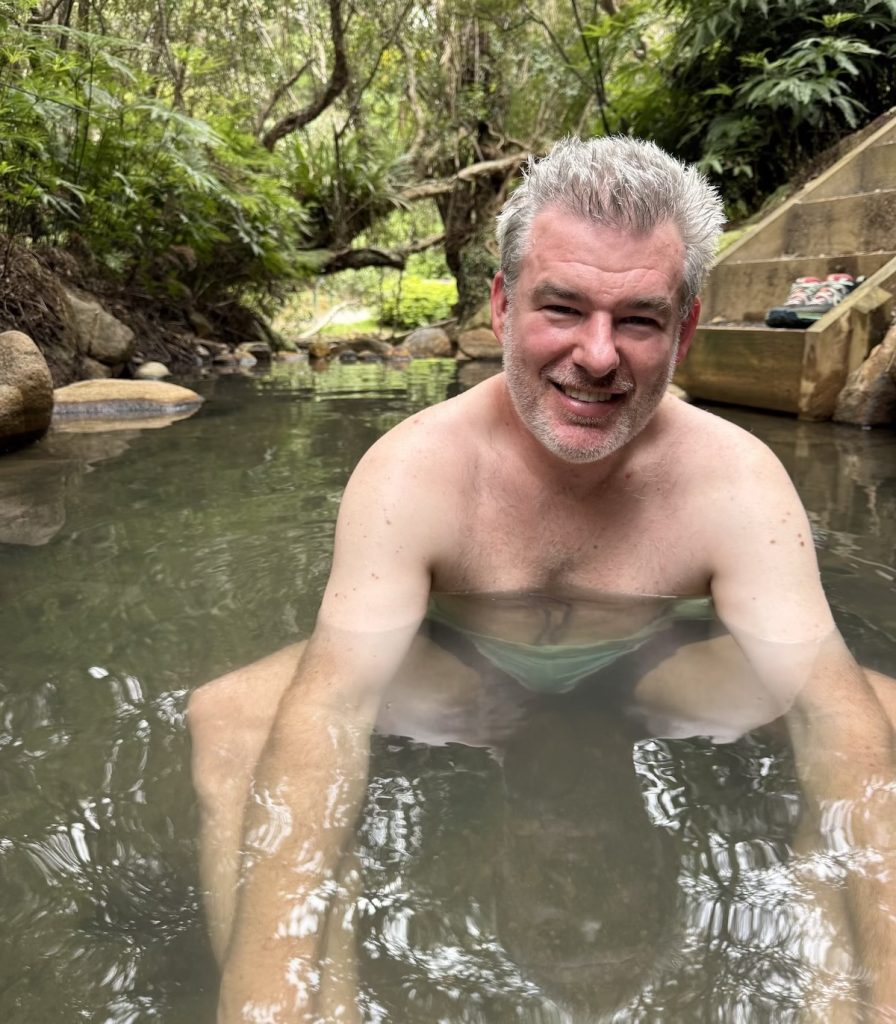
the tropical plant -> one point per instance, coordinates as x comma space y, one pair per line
751, 89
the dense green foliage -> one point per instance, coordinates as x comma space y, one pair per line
220, 153
413, 301
93, 157
752, 89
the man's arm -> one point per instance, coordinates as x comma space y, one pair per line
767, 591
299, 826
311, 779
843, 745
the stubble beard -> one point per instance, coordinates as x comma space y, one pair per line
624, 423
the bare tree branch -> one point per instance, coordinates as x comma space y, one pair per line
362, 89
337, 83
175, 71
558, 46
277, 95
40, 17
595, 62
421, 244
441, 187
414, 103
353, 259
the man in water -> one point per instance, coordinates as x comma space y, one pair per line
572, 471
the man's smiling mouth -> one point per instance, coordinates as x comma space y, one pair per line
590, 396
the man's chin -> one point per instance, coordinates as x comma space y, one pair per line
584, 450
584, 443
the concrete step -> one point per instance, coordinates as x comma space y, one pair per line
790, 370
746, 290
833, 226
873, 168
843, 221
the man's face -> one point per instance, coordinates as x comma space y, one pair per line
592, 335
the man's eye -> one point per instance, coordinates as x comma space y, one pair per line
562, 310
641, 321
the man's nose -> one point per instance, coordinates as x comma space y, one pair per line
595, 350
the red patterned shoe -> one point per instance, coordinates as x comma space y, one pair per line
810, 302
802, 292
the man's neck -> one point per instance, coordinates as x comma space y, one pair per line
561, 476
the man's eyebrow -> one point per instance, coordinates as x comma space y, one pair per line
547, 291
657, 304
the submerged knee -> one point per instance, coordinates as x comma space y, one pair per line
229, 719
214, 733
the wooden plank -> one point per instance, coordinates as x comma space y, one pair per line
756, 366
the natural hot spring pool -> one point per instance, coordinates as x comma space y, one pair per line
580, 876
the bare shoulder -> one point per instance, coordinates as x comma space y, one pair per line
749, 527
715, 453
433, 446
400, 514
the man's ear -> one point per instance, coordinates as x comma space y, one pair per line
688, 327
499, 305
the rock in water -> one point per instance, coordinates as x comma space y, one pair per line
429, 343
869, 398
153, 401
480, 343
97, 333
26, 391
152, 371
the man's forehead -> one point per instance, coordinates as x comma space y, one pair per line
560, 237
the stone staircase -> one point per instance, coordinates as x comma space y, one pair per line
844, 220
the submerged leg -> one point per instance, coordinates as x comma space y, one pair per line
705, 689
885, 690
709, 689
229, 720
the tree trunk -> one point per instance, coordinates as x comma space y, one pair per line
468, 213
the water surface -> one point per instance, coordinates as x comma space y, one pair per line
583, 872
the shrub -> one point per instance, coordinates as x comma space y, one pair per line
416, 301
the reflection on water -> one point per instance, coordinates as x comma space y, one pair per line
570, 869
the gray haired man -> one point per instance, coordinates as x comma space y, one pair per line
572, 472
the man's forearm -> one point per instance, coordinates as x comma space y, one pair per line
299, 823
843, 744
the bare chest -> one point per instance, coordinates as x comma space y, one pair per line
624, 541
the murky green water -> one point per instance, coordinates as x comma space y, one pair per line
135, 565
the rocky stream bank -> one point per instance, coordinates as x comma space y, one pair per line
64, 336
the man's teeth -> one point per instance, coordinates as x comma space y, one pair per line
588, 396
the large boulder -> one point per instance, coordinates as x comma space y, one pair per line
869, 397
429, 343
479, 343
132, 402
26, 391
93, 369
96, 332
371, 343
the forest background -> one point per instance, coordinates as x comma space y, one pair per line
210, 160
